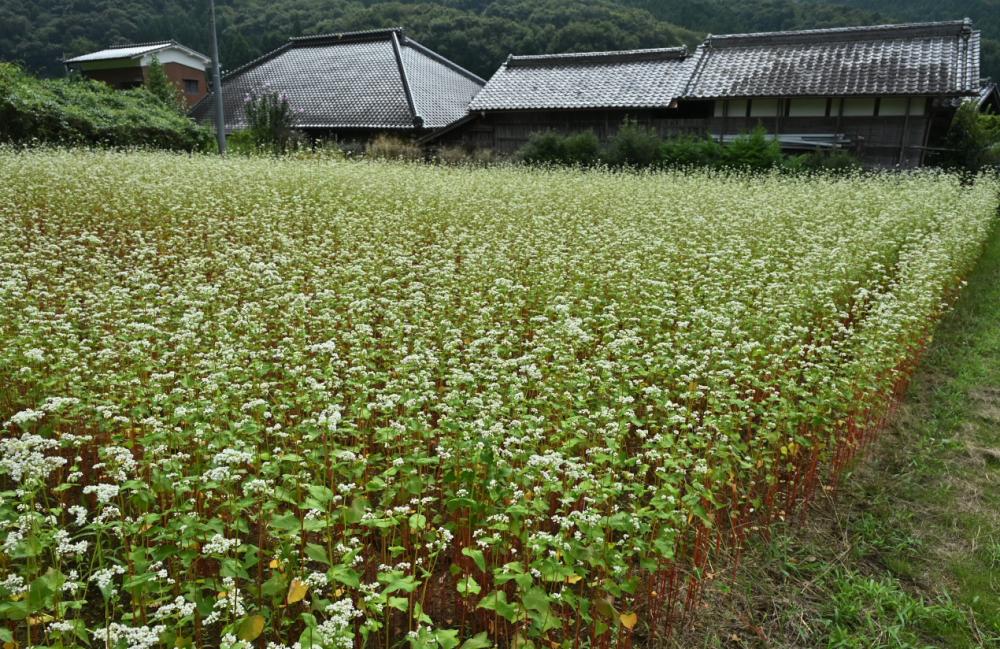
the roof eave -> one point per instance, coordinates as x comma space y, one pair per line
644, 106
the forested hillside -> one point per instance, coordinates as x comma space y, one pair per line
476, 33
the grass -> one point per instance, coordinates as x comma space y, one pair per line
907, 552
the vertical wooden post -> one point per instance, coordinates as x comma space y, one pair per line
725, 120
928, 118
903, 135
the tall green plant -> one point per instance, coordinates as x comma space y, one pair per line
552, 148
691, 151
970, 144
634, 146
160, 85
270, 120
754, 151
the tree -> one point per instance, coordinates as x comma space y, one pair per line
160, 85
969, 144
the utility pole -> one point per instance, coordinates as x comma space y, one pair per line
220, 117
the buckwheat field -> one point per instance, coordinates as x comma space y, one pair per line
259, 403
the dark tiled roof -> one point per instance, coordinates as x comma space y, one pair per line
631, 78
376, 79
912, 59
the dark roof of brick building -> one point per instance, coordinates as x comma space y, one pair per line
376, 79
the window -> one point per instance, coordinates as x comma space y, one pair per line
807, 107
191, 86
859, 107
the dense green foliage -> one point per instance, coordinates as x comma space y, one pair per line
634, 146
270, 120
476, 33
637, 146
549, 147
84, 112
972, 142
379, 404
159, 84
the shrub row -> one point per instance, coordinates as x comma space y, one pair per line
84, 112
637, 146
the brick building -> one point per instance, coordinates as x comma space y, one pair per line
126, 66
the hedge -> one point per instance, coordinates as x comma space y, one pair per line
78, 111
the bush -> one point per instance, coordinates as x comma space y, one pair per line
452, 155
392, 147
463, 155
581, 148
972, 142
552, 148
753, 151
544, 148
836, 160
270, 121
638, 146
241, 143
484, 156
691, 151
85, 112
159, 84
634, 146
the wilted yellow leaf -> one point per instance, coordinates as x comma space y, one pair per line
296, 591
274, 564
251, 627
628, 620
572, 579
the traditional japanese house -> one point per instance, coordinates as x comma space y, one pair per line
352, 85
591, 91
885, 92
